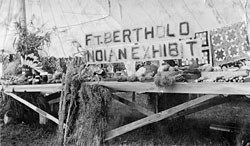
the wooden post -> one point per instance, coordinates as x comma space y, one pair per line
61, 112
67, 121
133, 96
130, 67
157, 103
52, 107
42, 120
24, 21
63, 99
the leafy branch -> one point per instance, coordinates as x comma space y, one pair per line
27, 42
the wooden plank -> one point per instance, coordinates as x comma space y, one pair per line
36, 109
220, 128
57, 100
156, 103
133, 105
199, 107
191, 88
42, 120
52, 107
226, 128
47, 88
53, 101
156, 117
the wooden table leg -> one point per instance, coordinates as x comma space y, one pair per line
156, 103
133, 96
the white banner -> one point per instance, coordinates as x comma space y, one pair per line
146, 52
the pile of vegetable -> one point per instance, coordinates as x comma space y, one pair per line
232, 72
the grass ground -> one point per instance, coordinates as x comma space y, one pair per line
194, 131
27, 135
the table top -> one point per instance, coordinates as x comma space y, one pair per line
182, 87
141, 87
46, 88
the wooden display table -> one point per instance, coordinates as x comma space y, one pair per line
214, 94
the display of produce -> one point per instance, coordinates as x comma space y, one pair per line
31, 68
232, 72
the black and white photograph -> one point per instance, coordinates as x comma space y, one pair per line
124, 73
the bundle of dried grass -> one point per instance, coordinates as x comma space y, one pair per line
85, 113
92, 115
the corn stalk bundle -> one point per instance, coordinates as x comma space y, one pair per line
27, 42
85, 113
83, 108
